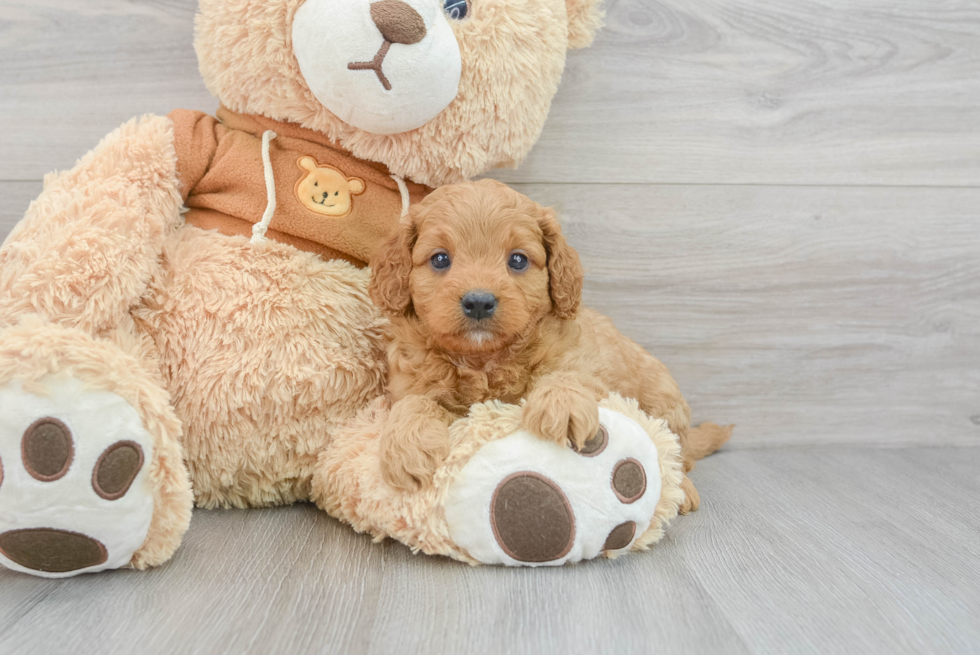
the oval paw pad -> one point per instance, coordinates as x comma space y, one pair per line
595, 445
47, 449
52, 551
620, 537
532, 518
116, 469
629, 480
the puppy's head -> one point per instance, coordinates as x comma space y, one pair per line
478, 264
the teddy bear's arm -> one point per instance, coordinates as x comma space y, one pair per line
85, 251
196, 142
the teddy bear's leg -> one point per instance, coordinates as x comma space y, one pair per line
521, 500
91, 475
506, 496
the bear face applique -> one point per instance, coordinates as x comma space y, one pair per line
326, 190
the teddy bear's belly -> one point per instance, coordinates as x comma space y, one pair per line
266, 351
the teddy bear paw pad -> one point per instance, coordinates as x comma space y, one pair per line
75, 494
524, 501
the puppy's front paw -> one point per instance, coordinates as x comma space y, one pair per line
562, 414
409, 459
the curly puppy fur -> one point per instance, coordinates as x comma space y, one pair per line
537, 346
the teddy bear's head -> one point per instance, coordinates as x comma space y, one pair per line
438, 90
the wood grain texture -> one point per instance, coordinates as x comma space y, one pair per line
803, 314
717, 91
15, 198
801, 550
770, 92
288, 580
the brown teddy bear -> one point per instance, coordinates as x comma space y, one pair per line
183, 320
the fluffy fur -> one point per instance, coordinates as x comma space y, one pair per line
513, 56
347, 484
537, 346
261, 373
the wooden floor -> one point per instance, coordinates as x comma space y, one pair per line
779, 199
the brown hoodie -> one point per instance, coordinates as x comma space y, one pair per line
327, 202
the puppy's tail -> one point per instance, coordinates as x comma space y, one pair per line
705, 439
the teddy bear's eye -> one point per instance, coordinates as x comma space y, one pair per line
456, 9
336, 193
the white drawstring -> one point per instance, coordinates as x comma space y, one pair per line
403, 189
260, 228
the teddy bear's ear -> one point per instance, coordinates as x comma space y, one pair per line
584, 19
356, 186
307, 164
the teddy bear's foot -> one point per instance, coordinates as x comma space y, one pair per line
524, 501
74, 490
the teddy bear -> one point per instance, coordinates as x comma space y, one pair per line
185, 321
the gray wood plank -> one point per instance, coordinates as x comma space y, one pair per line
15, 198
803, 550
258, 581
841, 550
803, 314
719, 91
769, 92
633, 605
74, 71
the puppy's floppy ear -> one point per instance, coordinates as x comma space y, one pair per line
564, 267
391, 267
584, 19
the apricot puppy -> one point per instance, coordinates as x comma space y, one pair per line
484, 298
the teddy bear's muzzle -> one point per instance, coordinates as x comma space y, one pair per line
398, 23
408, 44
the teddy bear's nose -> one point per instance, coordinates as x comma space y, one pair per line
398, 22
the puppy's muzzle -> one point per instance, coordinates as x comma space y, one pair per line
479, 305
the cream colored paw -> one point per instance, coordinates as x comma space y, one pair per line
75, 495
523, 501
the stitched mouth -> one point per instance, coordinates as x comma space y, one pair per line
322, 202
374, 65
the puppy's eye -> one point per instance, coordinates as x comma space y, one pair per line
456, 9
518, 261
440, 261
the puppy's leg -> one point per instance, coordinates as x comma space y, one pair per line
564, 407
414, 441
659, 396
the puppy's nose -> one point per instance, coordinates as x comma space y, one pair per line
479, 305
398, 21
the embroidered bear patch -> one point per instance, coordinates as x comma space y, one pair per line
326, 190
